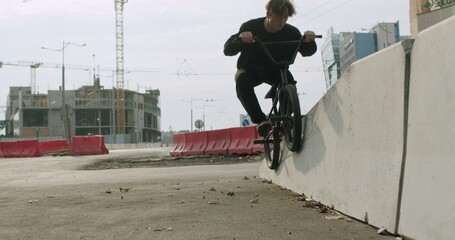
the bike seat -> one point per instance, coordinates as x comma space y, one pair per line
272, 92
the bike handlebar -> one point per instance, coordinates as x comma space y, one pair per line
282, 62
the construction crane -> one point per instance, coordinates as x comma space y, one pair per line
120, 73
34, 65
33, 68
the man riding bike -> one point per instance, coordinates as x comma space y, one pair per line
253, 68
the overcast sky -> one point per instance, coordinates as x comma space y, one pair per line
181, 39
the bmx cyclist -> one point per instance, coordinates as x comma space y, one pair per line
253, 68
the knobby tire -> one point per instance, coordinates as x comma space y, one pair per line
292, 125
272, 149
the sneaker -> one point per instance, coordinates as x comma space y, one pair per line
264, 128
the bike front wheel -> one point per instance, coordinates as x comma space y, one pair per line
292, 124
272, 148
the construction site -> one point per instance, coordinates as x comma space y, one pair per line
91, 110
120, 115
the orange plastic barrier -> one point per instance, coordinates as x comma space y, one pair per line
195, 143
242, 140
179, 144
218, 142
88, 145
24, 148
53, 146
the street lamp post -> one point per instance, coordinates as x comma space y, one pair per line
191, 104
191, 115
65, 109
203, 114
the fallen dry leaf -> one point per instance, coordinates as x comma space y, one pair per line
382, 231
213, 202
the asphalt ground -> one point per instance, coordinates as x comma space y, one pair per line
131, 194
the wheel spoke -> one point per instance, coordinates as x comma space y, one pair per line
290, 107
272, 148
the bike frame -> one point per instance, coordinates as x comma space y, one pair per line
284, 66
286, 117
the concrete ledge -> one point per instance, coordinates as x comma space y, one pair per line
428, 207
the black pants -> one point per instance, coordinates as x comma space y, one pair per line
246, 81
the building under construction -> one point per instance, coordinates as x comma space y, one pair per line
91, 110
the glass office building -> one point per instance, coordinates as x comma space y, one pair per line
340, 50
331, 58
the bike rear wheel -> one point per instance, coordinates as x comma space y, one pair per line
272, 148
292, 124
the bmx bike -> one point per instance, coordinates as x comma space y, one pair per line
284, 114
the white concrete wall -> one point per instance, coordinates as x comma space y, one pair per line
428, 206
354, 142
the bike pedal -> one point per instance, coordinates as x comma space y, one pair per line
278, 118
259, 141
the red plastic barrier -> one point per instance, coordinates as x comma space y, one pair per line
179, 144
88, 145
24, 148
2, 155
53, 146
218, 142
195, 143
242, 140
